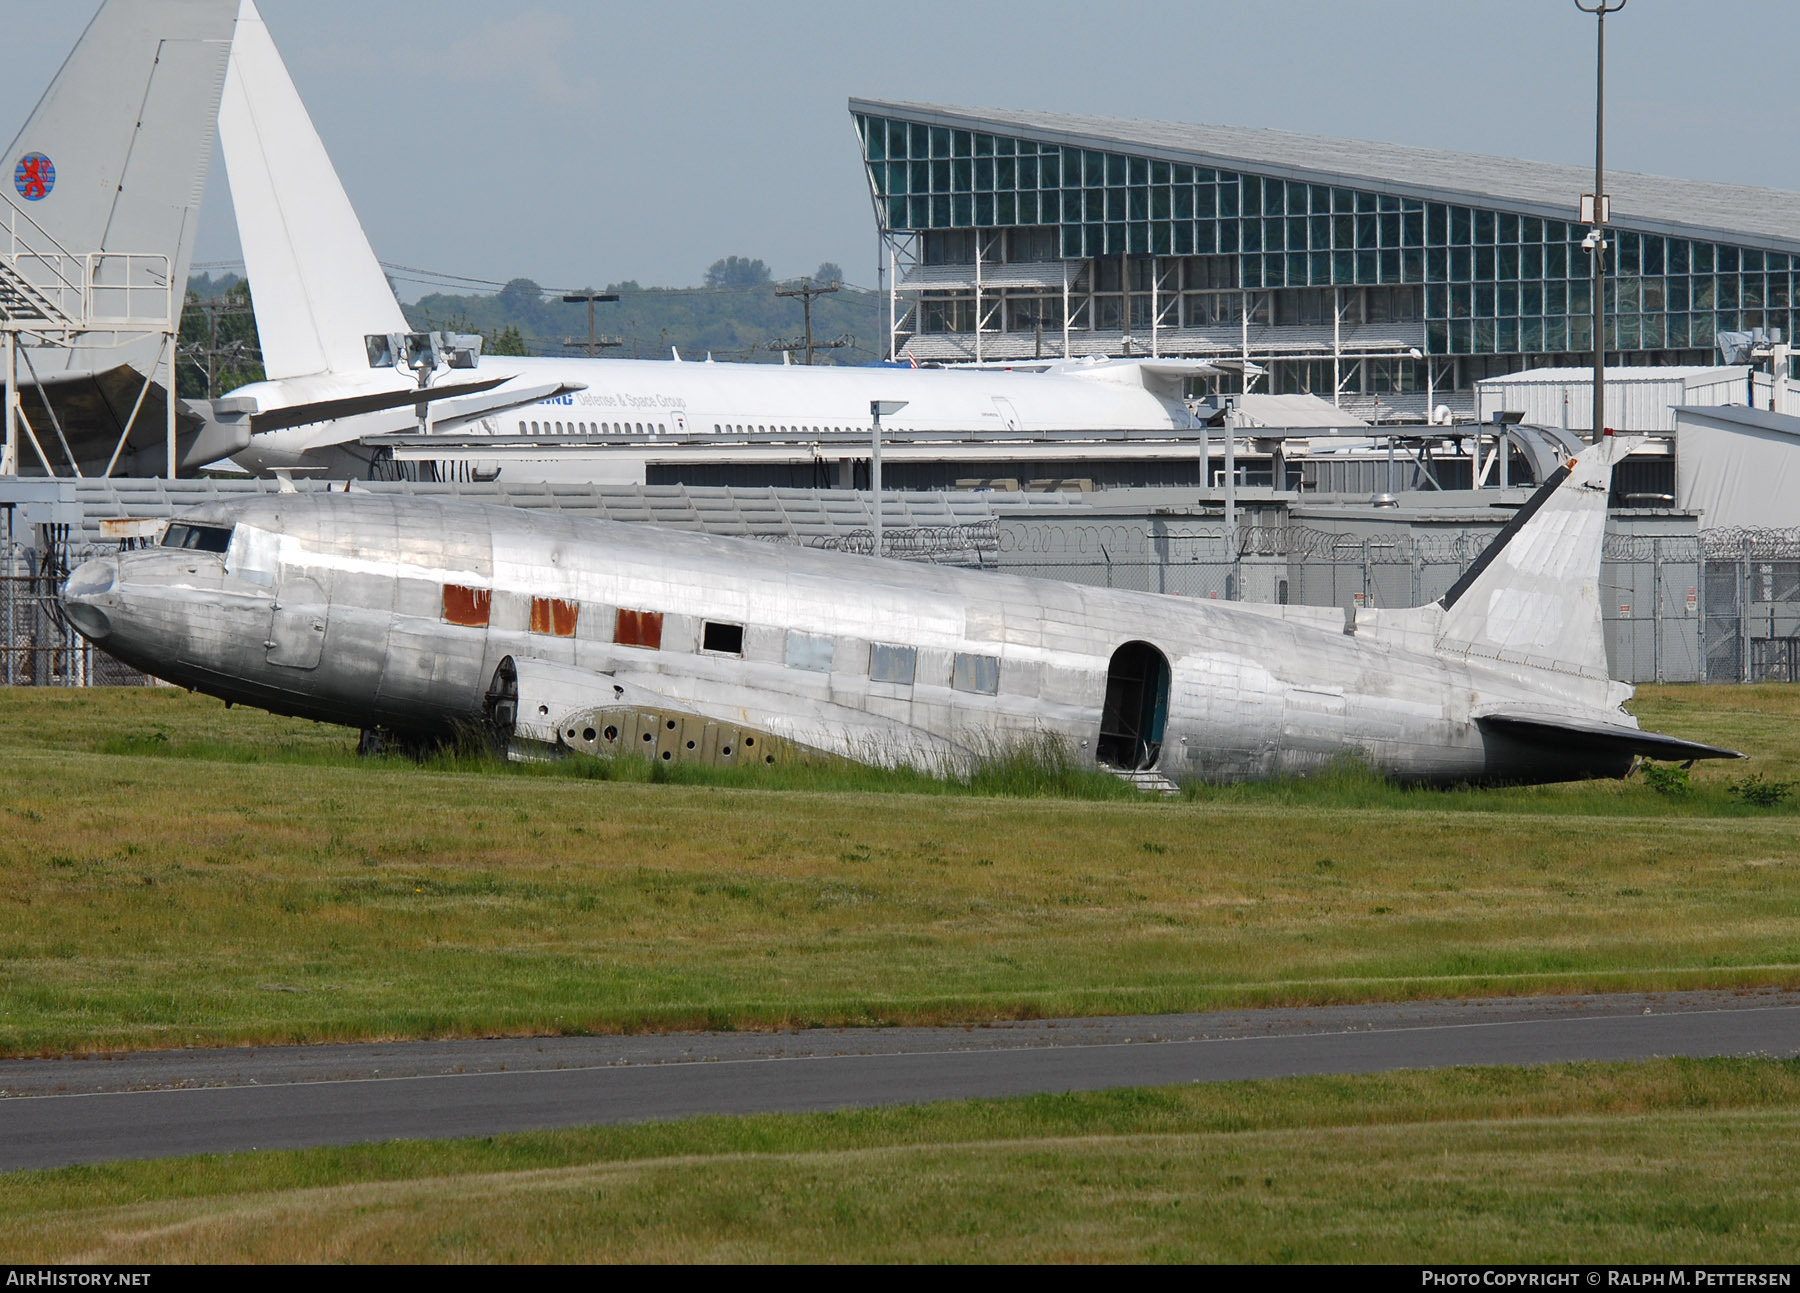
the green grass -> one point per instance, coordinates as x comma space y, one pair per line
1665, 1162
172, 873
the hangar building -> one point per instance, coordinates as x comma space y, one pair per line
1397, 277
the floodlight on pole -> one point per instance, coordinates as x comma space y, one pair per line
1598, 207
878, 409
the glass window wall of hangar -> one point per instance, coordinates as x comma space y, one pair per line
1393, 277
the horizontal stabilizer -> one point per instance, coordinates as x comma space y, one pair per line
294, 415
87, 410
1167, 379
1586, 733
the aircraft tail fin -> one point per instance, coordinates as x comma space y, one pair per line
1533, 595
316, 285
107, 177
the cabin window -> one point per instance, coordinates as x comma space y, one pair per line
638, 628
254, 555
892, 663
976, 673
727, 639
466, 606
811, 651
198, 538
554, 616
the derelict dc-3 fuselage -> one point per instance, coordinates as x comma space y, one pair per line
416, 614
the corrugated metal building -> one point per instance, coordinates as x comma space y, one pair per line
1638, 400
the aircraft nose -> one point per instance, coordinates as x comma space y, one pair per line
87, 593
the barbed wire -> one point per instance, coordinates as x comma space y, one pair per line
1765, 543
973, 544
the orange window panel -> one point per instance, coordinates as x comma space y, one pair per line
467, 606
638, 628
554, 616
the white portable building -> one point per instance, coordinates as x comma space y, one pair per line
1637, 399
1738, 466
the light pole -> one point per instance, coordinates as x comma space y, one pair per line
878, 409
1596, 214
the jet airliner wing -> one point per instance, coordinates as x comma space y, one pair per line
455, 414
294, 415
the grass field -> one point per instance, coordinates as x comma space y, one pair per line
1667, 1162
178, 874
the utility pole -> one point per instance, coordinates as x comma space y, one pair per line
206, 357
1594, 208
806, 290
594, 343
808, 345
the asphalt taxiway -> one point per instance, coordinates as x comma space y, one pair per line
149, 1104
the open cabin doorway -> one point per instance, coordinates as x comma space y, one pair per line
1137, 706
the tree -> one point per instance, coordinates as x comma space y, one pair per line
520, 294
504, 341
735, 271
218, 349
829, 271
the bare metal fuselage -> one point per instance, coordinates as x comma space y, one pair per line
340, 608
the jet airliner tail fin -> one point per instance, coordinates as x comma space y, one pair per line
317, 287
113, 158
100, 208
1532, 597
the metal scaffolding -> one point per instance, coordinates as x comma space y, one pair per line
53, 298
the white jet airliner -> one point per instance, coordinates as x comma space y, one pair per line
320, 295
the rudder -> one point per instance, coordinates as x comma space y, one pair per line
1533, 596
315, 282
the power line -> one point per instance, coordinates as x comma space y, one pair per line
442, 278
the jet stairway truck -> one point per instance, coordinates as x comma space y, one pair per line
331, 331
564, 635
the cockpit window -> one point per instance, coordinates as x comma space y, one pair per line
200, 538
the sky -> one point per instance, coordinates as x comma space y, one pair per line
575, 142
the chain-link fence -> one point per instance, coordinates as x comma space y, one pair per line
1664, 615
1152, 556
38, 648
1752, 605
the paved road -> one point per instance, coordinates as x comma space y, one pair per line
90, 1109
